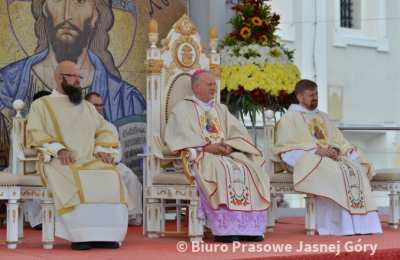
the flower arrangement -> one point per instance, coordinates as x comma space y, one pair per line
257, 71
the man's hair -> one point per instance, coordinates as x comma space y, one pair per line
196, 76
40, 94
98, 44
304, 85
90, 94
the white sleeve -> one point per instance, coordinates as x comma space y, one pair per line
291, 157
193, 154
53, 148
353, 155
116, 155
119, 150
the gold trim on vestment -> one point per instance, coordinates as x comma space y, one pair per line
43, 141
112, 145
98, 133
63, 211
53, 119
86, 166
75, 173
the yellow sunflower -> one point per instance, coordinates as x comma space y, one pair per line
256, 21
263, 38
245, 32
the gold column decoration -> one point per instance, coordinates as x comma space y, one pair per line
153, 66
213, 34
216, 70
213, 38
153, 33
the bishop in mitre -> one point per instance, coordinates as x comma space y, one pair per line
325, 164
90, 198
228, 168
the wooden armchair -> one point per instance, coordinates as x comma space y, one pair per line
168, 81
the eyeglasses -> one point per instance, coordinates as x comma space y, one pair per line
72, 75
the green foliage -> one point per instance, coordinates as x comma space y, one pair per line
236, 21
251, 53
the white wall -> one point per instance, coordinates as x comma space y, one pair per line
206, 13
364, 64
370, 78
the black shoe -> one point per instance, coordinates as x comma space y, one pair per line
80, 246
38, 227
226, 239
105, 244
251, 238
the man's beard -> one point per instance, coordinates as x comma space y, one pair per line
74, 93
313, 105
64, 50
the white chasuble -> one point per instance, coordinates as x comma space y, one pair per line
343, 186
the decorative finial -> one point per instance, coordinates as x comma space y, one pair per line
269, 114
153, 26
18, 106
213, 39
213, 33
153, 33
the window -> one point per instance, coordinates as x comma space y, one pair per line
350, 14
361, 23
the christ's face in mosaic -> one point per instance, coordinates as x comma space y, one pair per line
70, 25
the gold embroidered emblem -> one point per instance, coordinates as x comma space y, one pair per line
211, 127
318, 131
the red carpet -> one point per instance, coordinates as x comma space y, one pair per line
288, 234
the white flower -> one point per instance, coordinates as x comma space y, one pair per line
262, 56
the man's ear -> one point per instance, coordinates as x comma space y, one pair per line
44, 10
94, 18
59, 77
299, 97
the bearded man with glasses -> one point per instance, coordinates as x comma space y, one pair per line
91, 199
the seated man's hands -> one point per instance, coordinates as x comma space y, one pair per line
228, 149
66, 157
104, 157
329, 152
218, 149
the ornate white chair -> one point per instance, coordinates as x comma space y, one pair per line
388, 180
24, 182
168, 81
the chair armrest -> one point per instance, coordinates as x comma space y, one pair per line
279, 165
144, 155
164, 157
26, 154
184, 158
30, 152
274, 158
